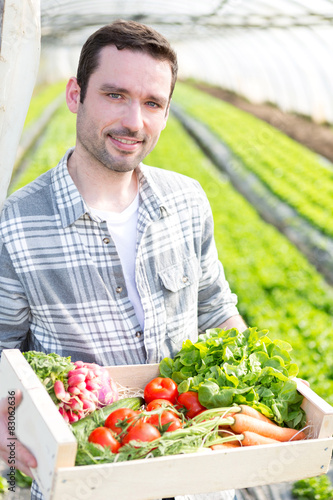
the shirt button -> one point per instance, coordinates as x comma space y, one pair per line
119, 289
106, 240
138, 334
185, 279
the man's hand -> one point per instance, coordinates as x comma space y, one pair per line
12, 452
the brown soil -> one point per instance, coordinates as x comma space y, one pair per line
317, 137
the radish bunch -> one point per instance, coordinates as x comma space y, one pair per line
76, 388
89, 387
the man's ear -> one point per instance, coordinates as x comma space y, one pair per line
73, 94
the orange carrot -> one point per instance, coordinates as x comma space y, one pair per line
245, 423
227, 444
252, 412
253, 439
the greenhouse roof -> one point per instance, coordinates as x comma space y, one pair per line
266, 51
183, 19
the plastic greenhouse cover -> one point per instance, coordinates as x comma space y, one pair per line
20, 51
264, 50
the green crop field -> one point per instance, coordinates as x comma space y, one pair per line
41, 99
291, 171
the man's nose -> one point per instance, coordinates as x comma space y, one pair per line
133, 117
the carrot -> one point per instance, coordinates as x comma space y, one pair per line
228, 444
245, 423
252, 412
253, 439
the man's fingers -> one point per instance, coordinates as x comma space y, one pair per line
12, 451
4, 402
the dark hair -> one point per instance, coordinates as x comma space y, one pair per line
124, 35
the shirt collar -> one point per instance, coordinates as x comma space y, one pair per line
71, 205
151, 193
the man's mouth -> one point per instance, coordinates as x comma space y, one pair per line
124, 141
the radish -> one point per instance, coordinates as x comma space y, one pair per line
93, 385
108, 393
59, 391
75, 379
74, 404
74, 390
72, 417
63, 412
88, 405
78, 363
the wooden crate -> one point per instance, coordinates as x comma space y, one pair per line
41, 428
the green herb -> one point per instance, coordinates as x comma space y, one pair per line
49, 368
230, 367
314, 488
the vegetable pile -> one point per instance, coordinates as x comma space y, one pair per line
76, 388
229, 389
226, 367
172, 424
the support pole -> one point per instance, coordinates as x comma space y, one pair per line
19, 62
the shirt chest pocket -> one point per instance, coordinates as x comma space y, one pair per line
179, 276
179, 286
180, 283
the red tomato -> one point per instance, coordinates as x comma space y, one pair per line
104, 437
161, 420
158, 403
142, 431
190, 402
118, 419
161, 388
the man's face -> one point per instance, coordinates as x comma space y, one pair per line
125, 108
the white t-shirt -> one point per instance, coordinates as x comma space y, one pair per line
122, 227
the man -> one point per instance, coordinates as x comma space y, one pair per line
103, 258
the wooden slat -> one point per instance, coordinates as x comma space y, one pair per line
134, 376
39, 425
195, 473
319, 412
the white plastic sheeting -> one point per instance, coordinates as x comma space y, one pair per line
19, 61
280, 52
292, 69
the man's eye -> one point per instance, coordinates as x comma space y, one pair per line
152, 104
115, 96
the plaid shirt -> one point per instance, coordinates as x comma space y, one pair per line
61, 283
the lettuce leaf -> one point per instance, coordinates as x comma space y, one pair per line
229, 367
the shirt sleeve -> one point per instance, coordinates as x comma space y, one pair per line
216, 302
14, 307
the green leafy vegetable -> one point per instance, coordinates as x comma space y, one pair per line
313, 488
230, 367
49, 368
